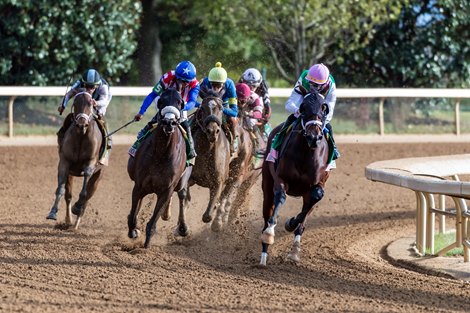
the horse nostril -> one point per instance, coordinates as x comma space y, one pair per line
217, 131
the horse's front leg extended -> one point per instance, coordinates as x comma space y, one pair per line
298, 223
68, 200
80, 206
223, 210
182, 227
279, 199
162, 202
62, 175
214, 196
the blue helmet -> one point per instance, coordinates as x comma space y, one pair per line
186, 71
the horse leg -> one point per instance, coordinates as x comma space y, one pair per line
227, 197
162, 202
214, 196
68, 200
298, 223
279, 198
61, 178
271, 204
79, 206
91, 187
184, 198
166, 215
182, 227
132, 217
240, 199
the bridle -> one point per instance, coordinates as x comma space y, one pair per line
86, 117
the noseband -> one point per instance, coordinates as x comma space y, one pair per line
86, 117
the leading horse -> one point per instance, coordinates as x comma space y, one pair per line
301, 171
159, 167
78, 156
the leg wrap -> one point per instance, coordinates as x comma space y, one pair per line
317, 194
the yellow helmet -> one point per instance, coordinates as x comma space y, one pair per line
217, 74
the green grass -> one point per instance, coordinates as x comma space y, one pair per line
443, 240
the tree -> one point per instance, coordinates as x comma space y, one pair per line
427, 46
298, 33
46, 42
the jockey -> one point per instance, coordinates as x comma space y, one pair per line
318, 77
91, 82
253, 78
183, 79
248, 97
218, 82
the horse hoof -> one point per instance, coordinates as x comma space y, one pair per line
289, 225
216, 226
134, 234
206, 218
52, 216
293, 257
76, 210
267, 238
182, 230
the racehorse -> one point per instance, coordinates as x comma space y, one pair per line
243, 172
78, 156
211, 169
301, 171
159, 167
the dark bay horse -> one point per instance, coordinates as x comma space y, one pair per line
301, 171
211, 169
159, 167
78, 156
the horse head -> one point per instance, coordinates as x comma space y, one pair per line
170, 105
313, 111
209, 116
82, 110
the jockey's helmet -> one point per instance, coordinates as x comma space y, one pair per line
91, 78
218, 74
252, 77
185, 71
318, 74
243, 91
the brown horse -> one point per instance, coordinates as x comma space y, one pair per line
301, 171
78, 156
211, 169
243, 173
159, 167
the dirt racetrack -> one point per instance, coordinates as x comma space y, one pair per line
342, 267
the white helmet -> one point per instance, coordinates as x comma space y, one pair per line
252, 77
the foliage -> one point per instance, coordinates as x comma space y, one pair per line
296, 34
46, 42
426, 47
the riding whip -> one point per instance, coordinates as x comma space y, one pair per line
125, 125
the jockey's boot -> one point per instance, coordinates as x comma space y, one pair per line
147, 127
109, 144
191, 152
336, 153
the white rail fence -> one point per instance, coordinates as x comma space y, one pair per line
379, 93
431, 177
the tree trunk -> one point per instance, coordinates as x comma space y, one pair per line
150, 46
